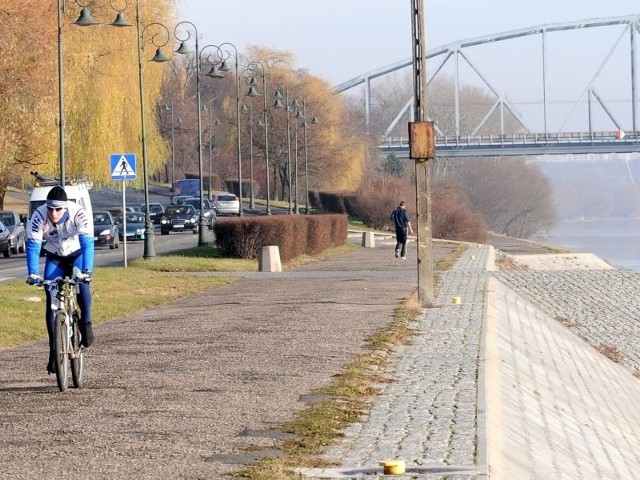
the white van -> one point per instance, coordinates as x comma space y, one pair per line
77, 191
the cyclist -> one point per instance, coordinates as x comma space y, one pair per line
69, 252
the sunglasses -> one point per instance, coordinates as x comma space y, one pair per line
55, 209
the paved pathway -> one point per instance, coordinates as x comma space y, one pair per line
428, 416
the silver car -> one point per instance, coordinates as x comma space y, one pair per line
226, 203
17, 234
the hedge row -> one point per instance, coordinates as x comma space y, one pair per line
294, 235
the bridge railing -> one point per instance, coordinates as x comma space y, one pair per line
562, 138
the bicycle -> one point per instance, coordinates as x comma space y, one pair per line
68, 349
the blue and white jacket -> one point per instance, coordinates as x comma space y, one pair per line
70, 237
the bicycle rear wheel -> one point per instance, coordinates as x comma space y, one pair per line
77, 363
62, 359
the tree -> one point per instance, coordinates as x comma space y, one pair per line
101, 109
393, 165
513, 197
335, 153
27, 132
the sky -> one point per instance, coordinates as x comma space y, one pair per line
341, 39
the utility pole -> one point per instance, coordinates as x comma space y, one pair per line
422, 150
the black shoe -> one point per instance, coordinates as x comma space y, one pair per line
87, 335
51, 366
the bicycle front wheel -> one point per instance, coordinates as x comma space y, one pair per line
77, 362
62, 359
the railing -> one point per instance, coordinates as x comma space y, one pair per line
525, 144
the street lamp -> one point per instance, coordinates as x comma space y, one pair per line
245, 109
85, 19
173, 143
278, 104
314, 121
224, 67
212, 122
258, 69
182, 49
295, 104
60, 98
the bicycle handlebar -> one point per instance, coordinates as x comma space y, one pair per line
62, 281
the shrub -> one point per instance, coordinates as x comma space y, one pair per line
293, 234
451, 219
377, 198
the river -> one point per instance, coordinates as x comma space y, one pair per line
616, 241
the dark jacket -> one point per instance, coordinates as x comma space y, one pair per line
400, 218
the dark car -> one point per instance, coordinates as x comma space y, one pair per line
179, 218
17, 233
105, 230
156, 210
209, 212
5, 240
136, 227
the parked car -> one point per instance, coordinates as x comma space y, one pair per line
187, 186
156, 210
225, 203
116, 212
5, 240
105, 230
179, 218
209, 212
17, 234
136, 227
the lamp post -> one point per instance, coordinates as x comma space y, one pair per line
298, 115
314, 121
173, 143
245, 109
224, 67
60, 98
258, 68
182, 49
85, 19
278, 104
212, 122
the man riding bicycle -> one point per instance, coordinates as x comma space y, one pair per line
69, 252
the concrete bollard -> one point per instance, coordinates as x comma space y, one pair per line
269, 259
369, 239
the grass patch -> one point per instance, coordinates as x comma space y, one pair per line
451, 257
23, 306
162, 280
197, 259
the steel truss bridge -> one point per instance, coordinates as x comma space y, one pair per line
598, 106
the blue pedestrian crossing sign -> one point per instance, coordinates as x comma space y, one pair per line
123, 166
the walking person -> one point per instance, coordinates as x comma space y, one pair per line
400, 219
69, 251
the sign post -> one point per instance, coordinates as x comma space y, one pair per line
123, 167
